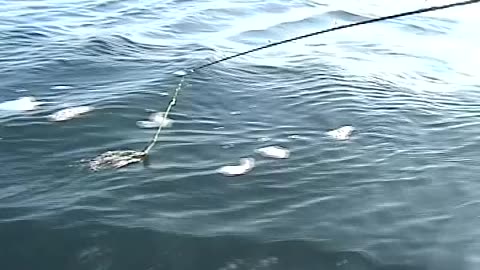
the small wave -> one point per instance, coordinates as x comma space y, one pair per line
22, 35
346, 16
195, 24
422, 29
119, 45
106, 6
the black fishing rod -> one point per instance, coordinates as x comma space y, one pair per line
408, 13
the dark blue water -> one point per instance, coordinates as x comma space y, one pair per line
403, 193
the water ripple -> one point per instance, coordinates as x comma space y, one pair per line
401, 190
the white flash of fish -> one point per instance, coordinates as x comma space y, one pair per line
155, 120
273, 152
69, 113
246, 165
21, 104
180, 73
343, 133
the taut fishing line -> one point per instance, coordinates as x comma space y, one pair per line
121, 158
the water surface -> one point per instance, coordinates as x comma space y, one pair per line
401, 194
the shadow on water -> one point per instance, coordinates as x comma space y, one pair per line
102, 247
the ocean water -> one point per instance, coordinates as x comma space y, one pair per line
402, 193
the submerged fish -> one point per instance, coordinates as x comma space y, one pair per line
343, 133
116, 159
180, 73
69, 113
155, 120
273, 152
246, 165
21, 104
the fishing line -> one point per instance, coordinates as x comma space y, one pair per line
173, 101
120, 158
